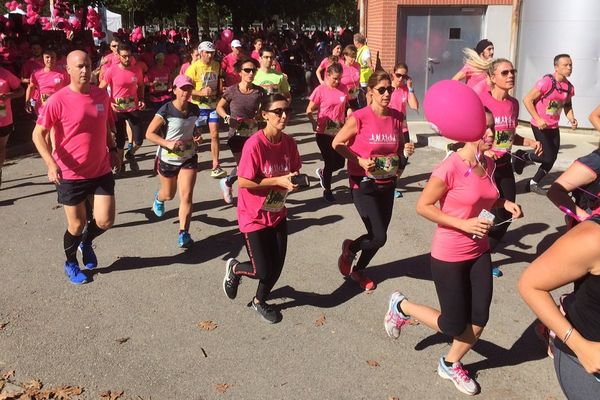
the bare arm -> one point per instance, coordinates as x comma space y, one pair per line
312, 107
528, 102
575, 176
459, 76
278, 181
340, 144
153, 135
595, 118
568, 109
40, 138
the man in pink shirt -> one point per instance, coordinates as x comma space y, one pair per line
80, 163
126, 83
30, 66
231, 77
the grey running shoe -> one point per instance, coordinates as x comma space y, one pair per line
231, 280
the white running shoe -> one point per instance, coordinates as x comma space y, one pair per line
394, 320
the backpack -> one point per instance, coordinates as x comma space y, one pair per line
555, 87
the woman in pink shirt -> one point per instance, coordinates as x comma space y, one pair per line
331, 100
269, 160
158, 81
336, 52
371, 140
351, 76
460, 259
477, 63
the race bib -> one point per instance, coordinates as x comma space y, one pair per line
332, 127
44, 97
181, 152
275, 201
503, 141
160, 85
245, 127
385, 167
2, 110
554, 108
125, 103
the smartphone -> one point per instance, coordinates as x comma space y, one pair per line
485, 214
301, 180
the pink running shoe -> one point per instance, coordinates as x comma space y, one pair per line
363, 281
346, 258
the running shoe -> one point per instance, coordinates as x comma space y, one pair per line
519, 161
130, 157
328, 196
459, 376
158, 206
267, 312
319, 173
76, 277
346, 258
496, 273
218, 173
394, 318
398, 194
184, 240
535, 188
227, 192
89, 256
366, 283
231, 280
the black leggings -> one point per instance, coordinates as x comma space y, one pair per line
333, 160
550, 140
266, 249
375, 210
505, 182
464, 291
136, 128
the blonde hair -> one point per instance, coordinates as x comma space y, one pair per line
475, 61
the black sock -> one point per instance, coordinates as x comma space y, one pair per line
230, 180
446, 363
92, 231
399, 307
71, 243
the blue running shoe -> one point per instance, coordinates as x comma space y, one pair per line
158, 206
185, 240
74, 273
89, 256
398, 194
496, 273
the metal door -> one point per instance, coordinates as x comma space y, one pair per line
431, 40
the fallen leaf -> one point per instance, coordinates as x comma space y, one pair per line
65, 392
12, 395
56, 207
373, 363
320, 321
35, 384
207, 325
44, 395
222, 387
122, 340
8, 375
108, 395
393, 398
3, 325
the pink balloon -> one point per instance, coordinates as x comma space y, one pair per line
227, 36
455, 110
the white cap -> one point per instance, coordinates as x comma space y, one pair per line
206, 46
236, 43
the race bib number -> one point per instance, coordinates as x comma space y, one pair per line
2, 110
503, 141
181, 152
245, 127
160, 85
44, 97
275, 201
125, 103
332, 127
554, 108
385, 167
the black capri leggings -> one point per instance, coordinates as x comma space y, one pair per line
550, 140
464, 290
333, 160
505, 182
135, 121
266, 249
375, 210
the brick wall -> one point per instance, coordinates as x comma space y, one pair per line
382, 21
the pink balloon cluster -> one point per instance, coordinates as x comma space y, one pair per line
93, 23
13, 5
136, 34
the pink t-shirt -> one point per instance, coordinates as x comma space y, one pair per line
8, 83
398, 101
376, 137
255, 55
184, 68
80, 125
465, 198
332, 104
31, 66
325, 63
160, 80
172, 61
505, 114
231, 77
351, 79
262, 208
472, 76
549, 108
124, 86
48, 83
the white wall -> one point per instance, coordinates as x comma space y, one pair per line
496, 28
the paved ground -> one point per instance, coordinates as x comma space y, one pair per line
151, 295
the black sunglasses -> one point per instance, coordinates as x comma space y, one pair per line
279, 111
508, 71
382, 90
248, 70
400, 76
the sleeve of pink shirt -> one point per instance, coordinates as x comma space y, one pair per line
48, 116
249, 167
544, 85
295, 161
324, 63
13, 81
315, 96
445, 172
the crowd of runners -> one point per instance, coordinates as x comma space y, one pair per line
95, 110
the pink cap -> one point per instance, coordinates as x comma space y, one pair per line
183, 80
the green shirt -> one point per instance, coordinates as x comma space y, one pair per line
272, 81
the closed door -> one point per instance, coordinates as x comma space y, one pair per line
431, 42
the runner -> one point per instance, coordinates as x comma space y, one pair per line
371, 140
363, 58
505, 110
29, 67
576, 348
10, 88
45, 81
331, 100
227, 65
206, 75
351, 76
194, 56
243, 102
158, 80
126, 83
336, 52
273, 82
176, 158
258, 45
269, 160
80, 165
460, 257
544, 102
477, 64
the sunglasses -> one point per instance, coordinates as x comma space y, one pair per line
279, 111
400, 76
382, 90
249, 70
114, 45
508, 71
